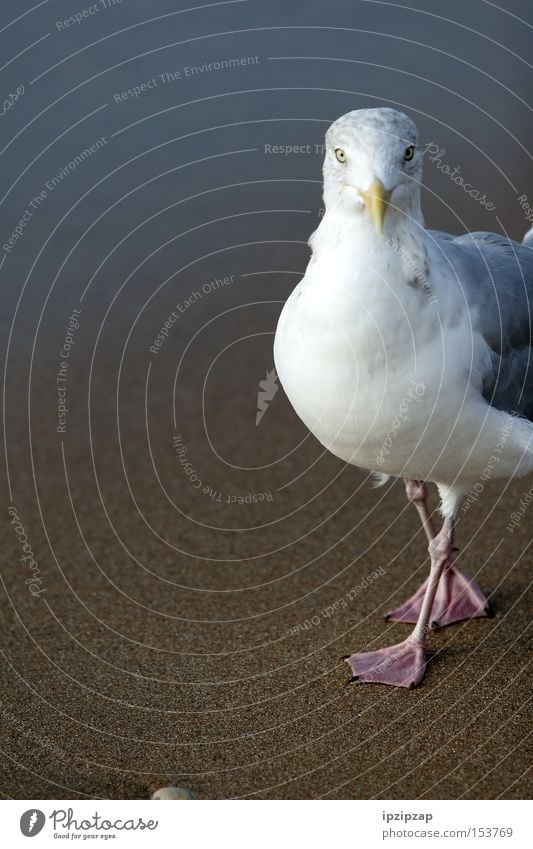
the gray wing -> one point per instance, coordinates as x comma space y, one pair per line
496, 275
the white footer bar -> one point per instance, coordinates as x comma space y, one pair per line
266, 825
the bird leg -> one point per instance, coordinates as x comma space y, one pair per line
457, 597
417, 494
404, 664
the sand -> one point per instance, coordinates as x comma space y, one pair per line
192, 599
131, 671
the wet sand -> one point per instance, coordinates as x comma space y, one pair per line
193, 578
132, 672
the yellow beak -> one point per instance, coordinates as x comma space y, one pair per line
376, 200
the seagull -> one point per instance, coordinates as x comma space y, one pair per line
406, 352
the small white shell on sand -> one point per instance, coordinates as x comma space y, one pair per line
172, 793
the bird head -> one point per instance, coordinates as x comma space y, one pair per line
373, 165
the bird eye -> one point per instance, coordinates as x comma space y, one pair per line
409, 153
340, 154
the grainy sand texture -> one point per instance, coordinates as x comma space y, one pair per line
179, 579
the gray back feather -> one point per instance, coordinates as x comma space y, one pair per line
496, 275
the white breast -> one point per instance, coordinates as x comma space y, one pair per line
362, 369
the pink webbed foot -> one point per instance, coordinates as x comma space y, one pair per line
457, 598
402, 665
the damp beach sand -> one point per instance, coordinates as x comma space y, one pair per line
140, 665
